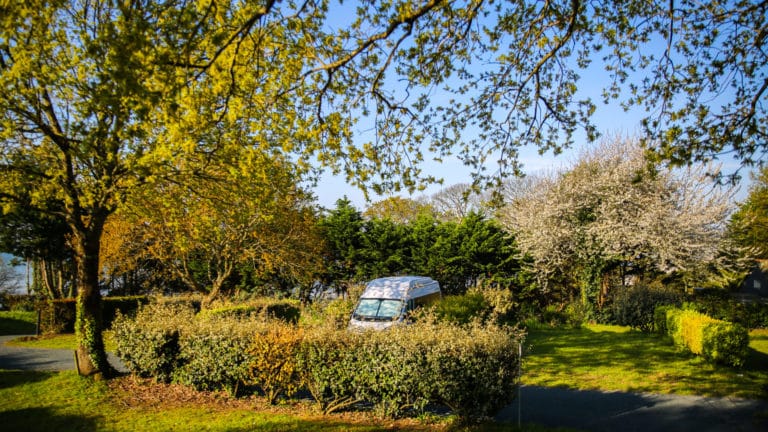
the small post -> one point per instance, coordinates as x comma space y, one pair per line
519, 385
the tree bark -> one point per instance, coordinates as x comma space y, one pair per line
90, 356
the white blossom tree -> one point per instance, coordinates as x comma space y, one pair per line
612, 210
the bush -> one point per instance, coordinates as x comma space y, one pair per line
470, 368
58, 316
213, 353
715, 340
462, 308
272, 360
148, 343
719, 304
285, 310
634, 306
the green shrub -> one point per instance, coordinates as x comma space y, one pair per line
462, 308
634, 306
57, 316
715, 340
660, 318
148, 342
285, 310
719, 304
470, 368
725, 342
213, 353
501, 307
272, 364
327, 361
125, 305
18, 302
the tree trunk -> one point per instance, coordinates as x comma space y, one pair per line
90, 355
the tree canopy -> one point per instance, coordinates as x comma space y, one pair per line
101, 98
749, 224
610, 211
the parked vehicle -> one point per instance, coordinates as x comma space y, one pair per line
387, 301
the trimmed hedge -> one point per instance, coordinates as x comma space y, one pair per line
285, 310
58, 316
717, 341
635, 306
471, 369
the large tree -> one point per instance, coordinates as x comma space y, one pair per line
248, 213
610, 211
100, 97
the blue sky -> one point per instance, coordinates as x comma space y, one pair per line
610, 119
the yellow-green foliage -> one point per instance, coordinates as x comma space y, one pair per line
148, 343
715, 340
272, 356
470, 368
264, 308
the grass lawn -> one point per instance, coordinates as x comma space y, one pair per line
44, 401
619, 359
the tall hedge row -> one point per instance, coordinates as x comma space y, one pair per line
472, 369
58, 316
715, 340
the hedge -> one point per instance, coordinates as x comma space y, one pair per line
285, 310
58, 316
715, 340
471, 369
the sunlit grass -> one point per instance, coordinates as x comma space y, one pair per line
614, 358
46, 401
59, 341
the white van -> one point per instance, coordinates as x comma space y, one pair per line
388, 300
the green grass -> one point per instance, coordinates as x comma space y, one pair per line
41, 401
614, 358
59, 341
17, 322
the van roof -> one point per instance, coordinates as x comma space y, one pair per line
395, 286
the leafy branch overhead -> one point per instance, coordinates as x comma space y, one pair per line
101, 101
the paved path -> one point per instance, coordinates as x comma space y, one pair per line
580, 410
42, 359
628, 412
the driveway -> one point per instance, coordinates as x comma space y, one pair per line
580, 410
42, 359
627, 412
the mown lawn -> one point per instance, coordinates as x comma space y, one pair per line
615, 358
45, 401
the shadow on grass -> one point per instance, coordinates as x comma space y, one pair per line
11, 326
626, 360
45, 420
13, 378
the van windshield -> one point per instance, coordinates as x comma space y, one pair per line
378, 309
